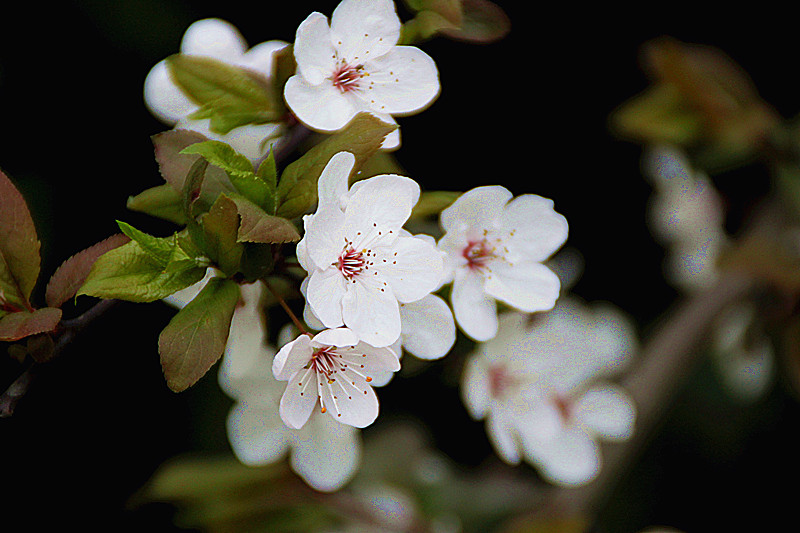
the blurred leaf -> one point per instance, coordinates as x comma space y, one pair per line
72, 273
284, 67
19, 248
239, 170
548, 523
481, 22
195, 338
431, 203
15, 326
763, 256
161, 201
229, 96
659, 115
133, 274
297, 189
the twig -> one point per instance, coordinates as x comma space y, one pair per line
66, 332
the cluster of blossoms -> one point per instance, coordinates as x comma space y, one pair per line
370, 289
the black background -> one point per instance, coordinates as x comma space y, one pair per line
529, 112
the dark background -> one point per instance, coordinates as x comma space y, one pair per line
529, 113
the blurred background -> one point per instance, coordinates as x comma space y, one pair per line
529, 112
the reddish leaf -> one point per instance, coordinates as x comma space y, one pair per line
72, 273
19, 245
16, 326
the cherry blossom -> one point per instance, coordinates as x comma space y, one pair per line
354, 65
218, 40
256, 432
538, 384
494, 248
362, 265
333, 370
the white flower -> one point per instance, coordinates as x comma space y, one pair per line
355, 65
219, 40
333, 370
536, 385
324, 453
686, 213
494, 249
361, 263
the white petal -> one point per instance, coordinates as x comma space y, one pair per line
608, 411
364, 29
325, 295
401, 82
253, 140
527, 286
475, 312
163, 97
538, 231
476, 387
325, 237
412, 267
335, 337
320, 107
292, 357
377, 209
214, 38
503, 438
476, 208
325, 453
333, 181
376, 359
261, 57
257, 435
182, 297
350, 400
313, 51
373, 314
298, 402
428, 327
572, 458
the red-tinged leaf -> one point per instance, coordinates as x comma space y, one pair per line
482, 22
16, 326
72, 273
19, 246
195, 338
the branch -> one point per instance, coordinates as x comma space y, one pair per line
67, 332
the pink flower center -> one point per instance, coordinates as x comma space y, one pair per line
564, 407
335, 371
347, 77
478, 254
351, 262
499, 381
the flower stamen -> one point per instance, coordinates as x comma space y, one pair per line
347, 77
478, 254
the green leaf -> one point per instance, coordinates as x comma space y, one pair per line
72, 273
161, 201
482, 22
159, 248
260, 227
431, 203
229, 96
131, 273
297, 189
195, 338
268, 173
239, 170
220, 235
15, 326
19, 248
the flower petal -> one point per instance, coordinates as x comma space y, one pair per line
502, 436
412, 267
261, 57
313, 50
325, 295
571, 458
475, 312
527, 286
324, 236
476, 388
296, 403
373, 314
325, 453
339, 337
333, 181
378, 208
350, 400
428, 327
401, 82
214, 38
253, 141
163, 97
292, 357
374, 360
257, 435
321, 107
537, 230
608, 411
364, 29
476, 208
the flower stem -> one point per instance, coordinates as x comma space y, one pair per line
286, 308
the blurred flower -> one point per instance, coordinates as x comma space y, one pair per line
494, 248
537, 384
338, 368
355, 65
219, 40
686, 214
361, 263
